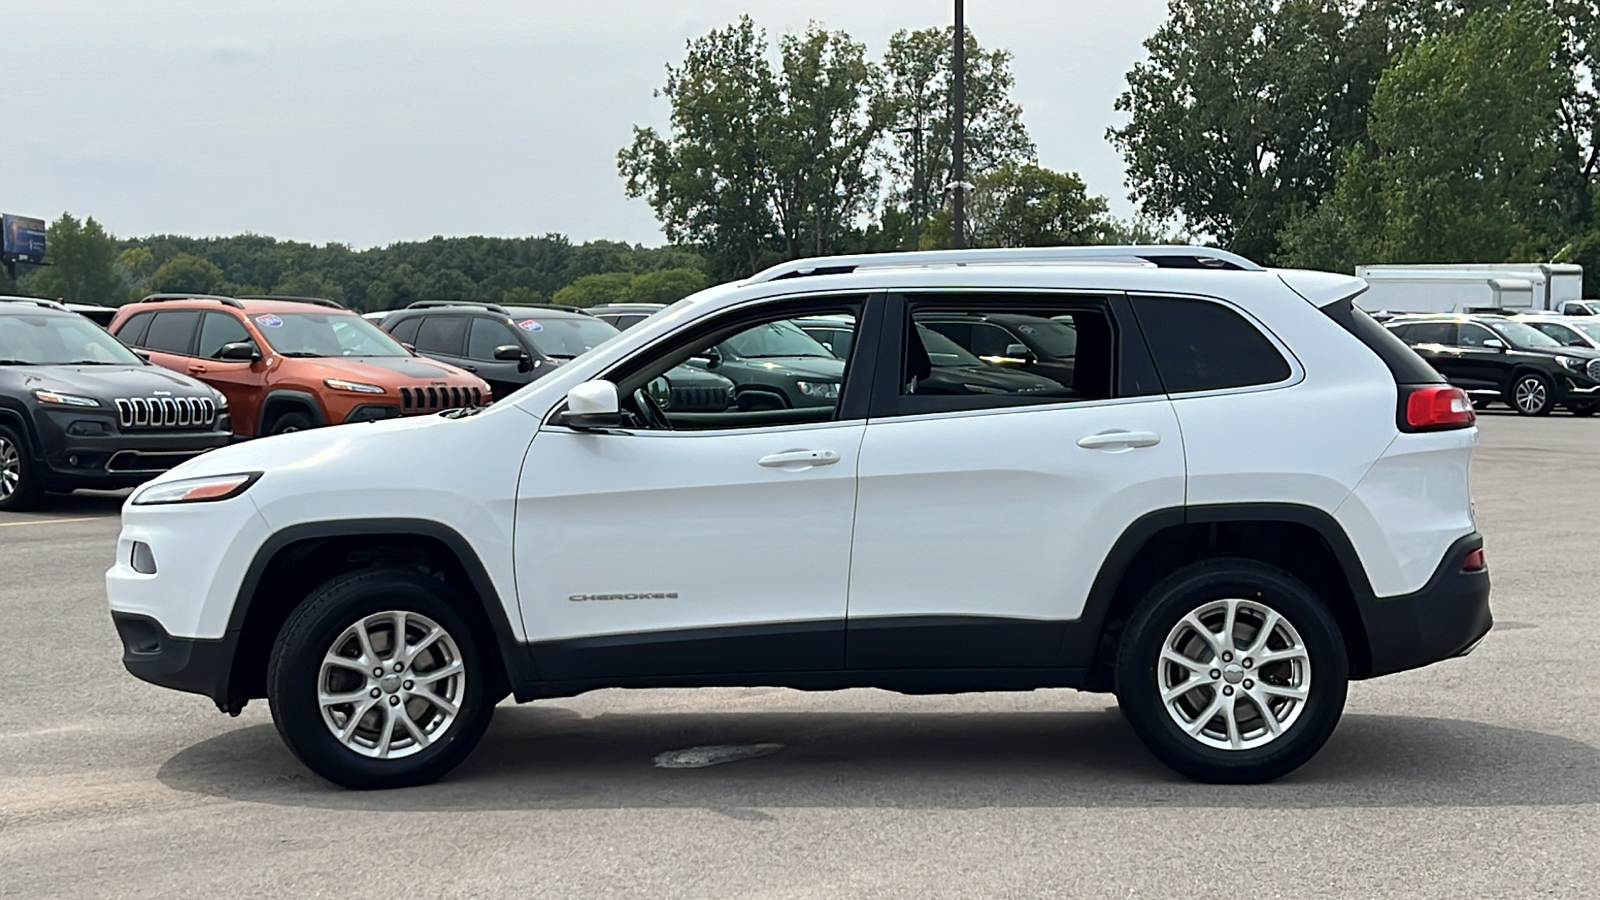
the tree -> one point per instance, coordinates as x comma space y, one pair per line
919, 153
308, 284
593, 290
1241, 113
1031, 206
82, 260
665, 285
1469, 158
186, 274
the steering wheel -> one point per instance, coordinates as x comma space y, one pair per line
652, 413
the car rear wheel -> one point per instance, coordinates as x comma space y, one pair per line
19, 485
1481, 403
1531, 395
1232, 671
377, 681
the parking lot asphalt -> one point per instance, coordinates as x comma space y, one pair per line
1479, 777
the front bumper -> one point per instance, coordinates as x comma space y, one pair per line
193, 665
113, 458
1446, 619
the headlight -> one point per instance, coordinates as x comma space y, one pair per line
1572, 363
222, 402
339, 384
822, 390
196, 490
65, 399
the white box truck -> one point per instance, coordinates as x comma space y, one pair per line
1510, 287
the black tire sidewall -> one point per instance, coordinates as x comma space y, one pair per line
298, 420
295, 667
1138, 686
1549, 394
28, 492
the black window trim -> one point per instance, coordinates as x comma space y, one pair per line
1297, 371
860, 372
1128, 351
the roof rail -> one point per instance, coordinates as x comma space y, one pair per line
440, 304
1165, 257
36, 301
558, 307
285, 298
163, 298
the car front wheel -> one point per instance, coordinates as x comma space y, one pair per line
377, 681
1531, 395
19, 485
1232, 671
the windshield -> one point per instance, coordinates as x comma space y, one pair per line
1521, 335
54, 340
944, 352
325, 334
1057, 338
565, 338
1592, 329
775, 339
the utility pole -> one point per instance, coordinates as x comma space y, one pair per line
958, 162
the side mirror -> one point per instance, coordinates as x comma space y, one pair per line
1577, 342
1019, 351
243, 351
593, 405
508, 353
660, 390
711, 357
410, 348
1494, 344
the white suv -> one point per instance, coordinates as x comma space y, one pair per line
1233, 495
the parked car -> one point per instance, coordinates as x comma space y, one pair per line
1224, 534
1568, 331
290, 365
1580, 308
774, 367
1046, 347
80, 410
625, 315
510, 347
1494, 358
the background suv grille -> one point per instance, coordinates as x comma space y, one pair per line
166, 412
700, 399
422, 399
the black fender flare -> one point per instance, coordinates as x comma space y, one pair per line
276, 400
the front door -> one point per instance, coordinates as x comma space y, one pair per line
983, 516
690, 543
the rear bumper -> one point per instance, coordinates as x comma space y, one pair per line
1446, 619
184, 664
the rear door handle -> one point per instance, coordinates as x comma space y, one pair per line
799, 459
1119, 440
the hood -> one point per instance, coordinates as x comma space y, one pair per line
820, 367
303, 448
383, 369
999, 377
110, 382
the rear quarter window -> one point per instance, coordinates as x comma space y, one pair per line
1199, 345
132, 331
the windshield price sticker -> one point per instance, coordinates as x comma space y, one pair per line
269, 321
531, 325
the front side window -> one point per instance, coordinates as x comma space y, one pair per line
749, 371
488, 335
444, 335
1474, 335
55, 340
310, 334
131, 332
1560, 333
1200, 345
217, 330
1523, 336
405, 331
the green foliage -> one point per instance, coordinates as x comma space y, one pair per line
593, 290
1031, 206
1468, 157
665, 285
186, 274
82, 264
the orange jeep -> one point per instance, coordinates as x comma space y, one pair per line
287, 364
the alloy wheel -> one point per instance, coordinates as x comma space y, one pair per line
391, 685
10, 467
1531, 395
1234, 674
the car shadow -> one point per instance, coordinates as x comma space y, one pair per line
85, 503
552, 758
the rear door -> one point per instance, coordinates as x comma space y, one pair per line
983, 517
444, 338
1479, 366
170, 338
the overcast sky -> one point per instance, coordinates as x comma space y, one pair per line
372, 121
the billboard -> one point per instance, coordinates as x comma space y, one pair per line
22, 238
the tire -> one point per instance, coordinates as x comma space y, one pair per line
19, 483
1532, 395
1584, 410
1248, 752
381, 751
1481, 403
289, 422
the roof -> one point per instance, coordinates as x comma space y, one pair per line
245, 304
31, 305
1156, 256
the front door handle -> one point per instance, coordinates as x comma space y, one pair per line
799, 459
1119, 440
197, 370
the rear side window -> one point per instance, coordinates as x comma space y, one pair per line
1204, 346
172, 332
132, 331
442, 334
217, 331
1432, 333
406, 331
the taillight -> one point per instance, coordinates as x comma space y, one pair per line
1436, 407
1475, 561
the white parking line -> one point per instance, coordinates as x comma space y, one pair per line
53, 521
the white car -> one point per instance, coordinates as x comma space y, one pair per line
1569, 331
1241, 494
